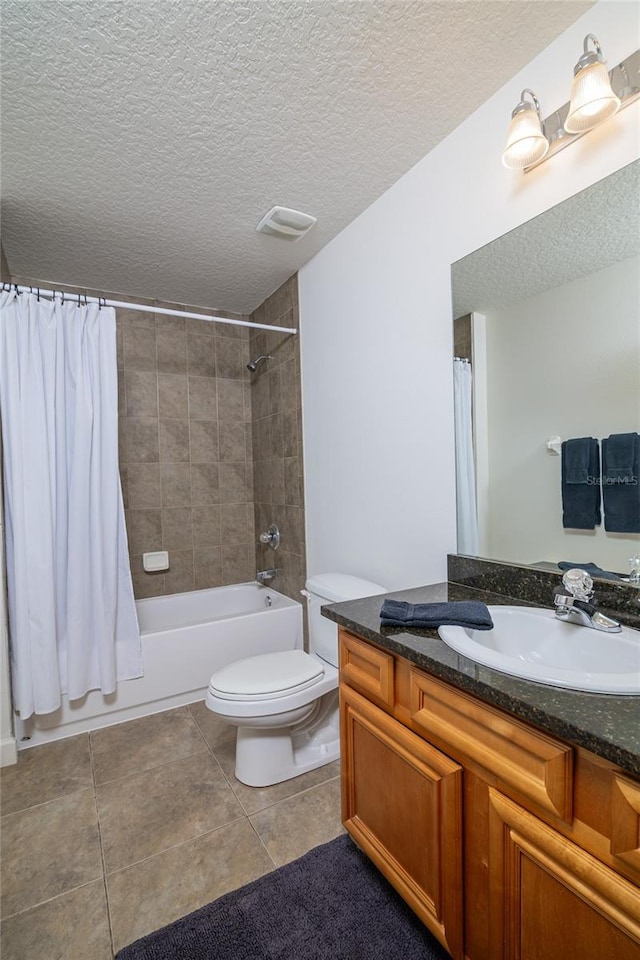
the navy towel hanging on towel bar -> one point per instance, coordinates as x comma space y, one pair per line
621, 483
581, 484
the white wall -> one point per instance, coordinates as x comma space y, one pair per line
553, 370
376, 331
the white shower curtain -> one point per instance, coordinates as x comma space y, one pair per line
72, 616
465, 462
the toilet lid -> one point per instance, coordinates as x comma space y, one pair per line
267, 676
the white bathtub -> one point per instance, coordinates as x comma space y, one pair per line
185, 637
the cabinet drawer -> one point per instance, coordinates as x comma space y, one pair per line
529, 763
366, 668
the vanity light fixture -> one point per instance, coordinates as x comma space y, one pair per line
592, 99
526, 142
596, 95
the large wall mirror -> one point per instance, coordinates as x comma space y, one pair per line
549, 318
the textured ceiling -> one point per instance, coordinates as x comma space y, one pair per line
586, 233
143, 141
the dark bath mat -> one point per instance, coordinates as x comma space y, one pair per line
331, 904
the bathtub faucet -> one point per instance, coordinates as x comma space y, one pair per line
263, 576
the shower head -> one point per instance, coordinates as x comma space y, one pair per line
253, 366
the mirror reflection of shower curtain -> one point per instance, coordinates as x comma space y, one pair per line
466, 509
72, 615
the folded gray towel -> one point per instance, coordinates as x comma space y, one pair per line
427, 616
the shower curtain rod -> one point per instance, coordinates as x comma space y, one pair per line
103, 302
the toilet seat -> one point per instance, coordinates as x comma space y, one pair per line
269, 676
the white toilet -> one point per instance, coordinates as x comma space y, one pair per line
285, 705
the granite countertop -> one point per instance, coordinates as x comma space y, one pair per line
605, 724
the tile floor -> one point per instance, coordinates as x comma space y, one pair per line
109, 835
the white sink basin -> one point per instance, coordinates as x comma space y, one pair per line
530, 642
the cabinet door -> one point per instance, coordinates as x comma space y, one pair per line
550, 900
402, 804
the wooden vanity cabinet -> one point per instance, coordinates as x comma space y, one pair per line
507, 843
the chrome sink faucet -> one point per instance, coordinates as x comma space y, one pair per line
578, 605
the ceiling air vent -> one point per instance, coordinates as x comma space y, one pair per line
285, 223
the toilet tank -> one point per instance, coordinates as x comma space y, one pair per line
332, 588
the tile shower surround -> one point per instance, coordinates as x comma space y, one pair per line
185, 450
186, 426
276, 417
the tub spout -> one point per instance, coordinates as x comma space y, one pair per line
263, 576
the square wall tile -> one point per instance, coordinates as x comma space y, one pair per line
171, 348
179, 577
141, 394
207, 565
233, 483
232, 440
176, 484
238, 563
204, 441
206, 524
230, 362
139, 348
129, 317
141, 440
143, 485
177, 531
145, 584
276, 436
230, 400
275, 393
203, 404
234, 522
201, 352
200, 328
174, 441
172, 397
204, 483
144, 530
292, 482
169, 324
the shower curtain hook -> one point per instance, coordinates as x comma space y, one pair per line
78, 304
38, 295
85, 298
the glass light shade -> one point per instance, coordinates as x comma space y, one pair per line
526, 143
592, 99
